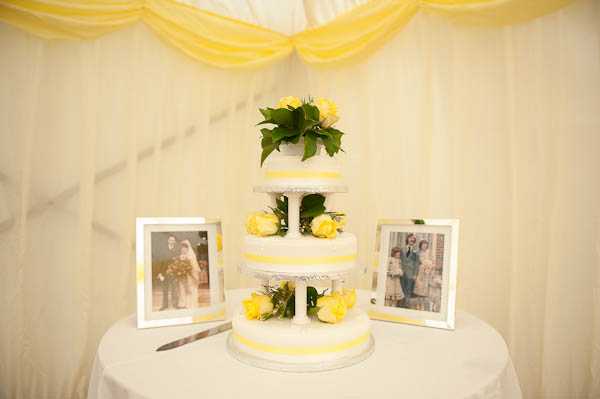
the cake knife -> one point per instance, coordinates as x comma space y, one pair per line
195, 337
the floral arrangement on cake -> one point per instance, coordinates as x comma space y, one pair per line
314, 219
280, 302
311, 120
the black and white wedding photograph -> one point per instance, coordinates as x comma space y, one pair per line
179, 266
180, 272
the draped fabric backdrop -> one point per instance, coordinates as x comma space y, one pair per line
499, 127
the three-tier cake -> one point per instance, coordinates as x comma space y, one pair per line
326, 331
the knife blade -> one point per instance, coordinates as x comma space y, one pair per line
195, 337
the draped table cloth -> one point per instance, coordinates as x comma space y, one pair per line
409, 361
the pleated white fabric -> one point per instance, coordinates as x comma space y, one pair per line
498, 127
287, 17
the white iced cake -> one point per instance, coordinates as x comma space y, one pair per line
284, 169
303, 254
280, 341
287, 324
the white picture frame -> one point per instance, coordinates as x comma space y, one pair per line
427, 274
181, 257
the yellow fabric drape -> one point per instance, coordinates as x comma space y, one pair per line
229, 43
355, 33
492, 12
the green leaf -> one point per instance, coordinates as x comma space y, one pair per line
304, 121
266, 132
312, 205
310, 145
281, 132
267, 145
266, 316
266, 113
265, 153
311, 200
282, 203
336, 135
311, 297
313, 212
332, 139
290, 309
330, 145
322, 133
311, 112
278, 116
282, 117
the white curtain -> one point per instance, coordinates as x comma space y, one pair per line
287, 17
498, 127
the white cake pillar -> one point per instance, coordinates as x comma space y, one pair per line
336, 286
293, 214
273, 199
300, 316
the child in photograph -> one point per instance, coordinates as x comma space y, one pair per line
424, 283
424, 280
394, 293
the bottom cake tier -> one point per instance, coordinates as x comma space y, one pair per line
282, 345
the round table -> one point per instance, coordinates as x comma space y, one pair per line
409, 361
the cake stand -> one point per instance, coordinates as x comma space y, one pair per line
329, 346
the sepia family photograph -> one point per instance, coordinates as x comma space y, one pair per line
180, 270
414, 271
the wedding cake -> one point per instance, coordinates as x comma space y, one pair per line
289, 324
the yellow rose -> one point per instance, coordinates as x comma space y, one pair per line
219, 242
257, 306
327, 112
348, 296
324, 226
289, 101
262, 224
291, 284
332, 308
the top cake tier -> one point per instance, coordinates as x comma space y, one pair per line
284, 171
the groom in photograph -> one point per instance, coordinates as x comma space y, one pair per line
167, 281
410, 266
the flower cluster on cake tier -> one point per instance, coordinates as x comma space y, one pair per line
289, 324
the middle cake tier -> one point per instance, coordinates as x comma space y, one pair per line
302, 255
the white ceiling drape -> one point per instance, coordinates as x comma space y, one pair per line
287, 17
495, 126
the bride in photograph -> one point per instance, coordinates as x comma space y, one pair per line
188, 287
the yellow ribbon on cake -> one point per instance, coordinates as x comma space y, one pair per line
307, 350
292, 260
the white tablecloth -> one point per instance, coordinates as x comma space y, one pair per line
408, 362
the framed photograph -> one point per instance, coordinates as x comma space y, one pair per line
414, 280
179, 267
